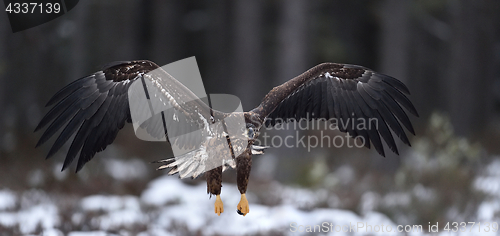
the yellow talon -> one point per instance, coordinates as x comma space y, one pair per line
243, 207
219, 207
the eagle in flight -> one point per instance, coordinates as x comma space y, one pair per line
97, 106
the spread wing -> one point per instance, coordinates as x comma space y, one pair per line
96, 107
345, 94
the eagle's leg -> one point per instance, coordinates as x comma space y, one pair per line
214, 185
243, 166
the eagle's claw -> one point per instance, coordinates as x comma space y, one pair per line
219, 206
243, 207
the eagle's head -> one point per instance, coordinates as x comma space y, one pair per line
254, 122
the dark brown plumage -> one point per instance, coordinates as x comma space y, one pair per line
96, 107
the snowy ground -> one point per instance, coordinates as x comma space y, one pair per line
168, 206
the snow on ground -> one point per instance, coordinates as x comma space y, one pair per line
7, 199
489, 183
195, 211
42, 215
168, 206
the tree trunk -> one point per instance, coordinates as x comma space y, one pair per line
469, 99
394, 39
248, 51
218, 49
292, 40
167, 34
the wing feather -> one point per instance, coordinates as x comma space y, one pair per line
69, 89
317, 101
394, 83
381, 123
397, 111
76, 121
401, 99
324, 100
68, 112
351, 121
294, 112
359, 114
305, 101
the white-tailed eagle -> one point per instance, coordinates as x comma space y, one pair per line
96, 107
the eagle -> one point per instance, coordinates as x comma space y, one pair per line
97, 106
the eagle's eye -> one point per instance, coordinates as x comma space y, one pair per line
250, 133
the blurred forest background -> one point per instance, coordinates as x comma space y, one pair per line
446, 51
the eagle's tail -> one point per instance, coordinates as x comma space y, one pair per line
187, 165
193, 164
